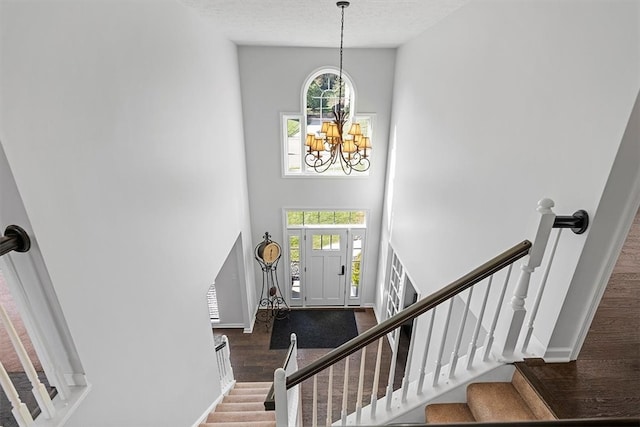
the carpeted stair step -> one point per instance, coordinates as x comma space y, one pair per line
238, 407
443, 413
244, 398
261, 385
242, 416
255, 391
243, 406
497, 402
537, 405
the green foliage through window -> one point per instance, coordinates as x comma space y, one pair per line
325, 218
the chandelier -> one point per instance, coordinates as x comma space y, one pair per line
331, 145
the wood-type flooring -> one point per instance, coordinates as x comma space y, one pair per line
605, 379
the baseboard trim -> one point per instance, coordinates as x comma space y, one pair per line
558, 355
229, 325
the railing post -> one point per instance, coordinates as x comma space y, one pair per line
517, 311
280, 388
38, 389
19, 409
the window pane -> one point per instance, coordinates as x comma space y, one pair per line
311, 218
295, 218
294, 259
316, 242
294, 145
335, 242
322, 96
356, 258
326, 217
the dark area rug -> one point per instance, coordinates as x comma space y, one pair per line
314, 328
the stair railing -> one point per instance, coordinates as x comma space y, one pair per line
286, 399
17, 239
447, 326
223, 359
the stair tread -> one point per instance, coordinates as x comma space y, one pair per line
256, 391
240, 406
241, 416
239, 398
440, 413
497, 402
263, 384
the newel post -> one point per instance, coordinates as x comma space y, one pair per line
280, 389
517, 311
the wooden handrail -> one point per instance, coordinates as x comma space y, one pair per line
477, 275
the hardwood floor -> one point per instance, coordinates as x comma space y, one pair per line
605, 380
252, 360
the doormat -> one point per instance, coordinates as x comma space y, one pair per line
314, 328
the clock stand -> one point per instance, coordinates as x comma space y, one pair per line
272, 303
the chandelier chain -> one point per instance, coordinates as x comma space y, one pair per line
341, 44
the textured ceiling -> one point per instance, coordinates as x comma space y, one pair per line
316, 23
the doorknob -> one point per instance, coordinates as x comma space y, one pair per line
341, 271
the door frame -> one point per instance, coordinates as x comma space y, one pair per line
299, 232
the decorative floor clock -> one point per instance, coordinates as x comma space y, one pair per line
272, 303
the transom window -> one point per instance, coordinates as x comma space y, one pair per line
321, 93
310, 218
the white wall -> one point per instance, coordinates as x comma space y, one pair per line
271, 80
618, 207
499, 105
120, 120
230, 289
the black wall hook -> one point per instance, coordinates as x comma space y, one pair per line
14, 239
578, 222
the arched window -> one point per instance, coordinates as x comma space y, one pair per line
320, 96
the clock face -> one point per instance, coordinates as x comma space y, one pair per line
270, 253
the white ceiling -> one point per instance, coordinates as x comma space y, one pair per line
316, 23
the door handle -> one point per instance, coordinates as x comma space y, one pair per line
341, 271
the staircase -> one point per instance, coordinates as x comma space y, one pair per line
493, 402
243, 406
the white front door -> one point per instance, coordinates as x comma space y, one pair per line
326, 267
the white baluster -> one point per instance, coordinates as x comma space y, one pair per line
445, 332
330, 397
392, 367
543, 284
407, 367
345, 391
280, 391
473, 345
518, 311
38, 389
363, 357
427, 344
315, 401
376, 379
227, 359
456, 349
489, 341
19, 409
